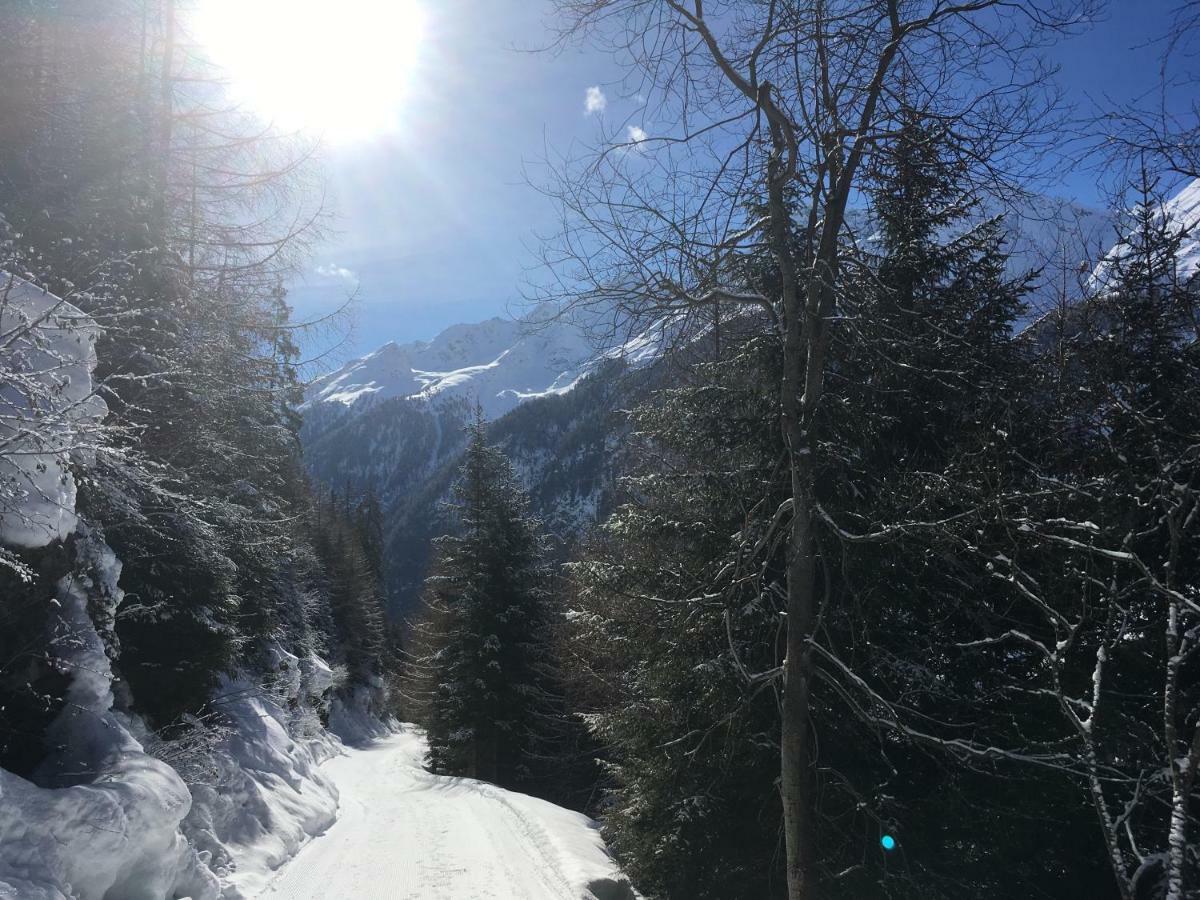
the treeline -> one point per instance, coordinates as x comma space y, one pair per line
1005, 682
901, 599
128, 189
997, 676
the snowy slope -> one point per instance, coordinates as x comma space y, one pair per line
403, 833
1182, 213
499, 363
1184, 209
114, 811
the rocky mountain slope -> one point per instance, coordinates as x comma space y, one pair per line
392, 421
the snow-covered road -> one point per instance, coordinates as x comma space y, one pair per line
403, 833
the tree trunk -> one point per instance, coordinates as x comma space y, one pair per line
796, 776
166, 123
796, 785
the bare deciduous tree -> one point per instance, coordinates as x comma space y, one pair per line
758, 121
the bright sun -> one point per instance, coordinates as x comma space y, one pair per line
337, 67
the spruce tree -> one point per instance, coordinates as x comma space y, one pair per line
679, 599
675, 653
487, 677
1097, 547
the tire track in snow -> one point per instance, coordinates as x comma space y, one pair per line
404, 834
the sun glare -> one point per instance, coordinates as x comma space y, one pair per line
340, 68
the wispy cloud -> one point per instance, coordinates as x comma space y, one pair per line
594, 101
636, 134
335, 271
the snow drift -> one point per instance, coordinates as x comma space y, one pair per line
103, 818
108, 826
48, 406
265, 794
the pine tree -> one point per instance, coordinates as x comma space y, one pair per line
198, 483
679, 599
675, 654
351, 583
487, 678
1098, 546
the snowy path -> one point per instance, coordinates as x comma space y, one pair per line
403, 833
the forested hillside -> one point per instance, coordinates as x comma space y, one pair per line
891, 591
825, 526
168, 577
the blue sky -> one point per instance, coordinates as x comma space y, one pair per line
436, 223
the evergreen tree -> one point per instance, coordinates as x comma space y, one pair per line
675, 655
1097, 550
680, 597
173, 222
351, 583
486, 676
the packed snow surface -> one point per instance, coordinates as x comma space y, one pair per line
404, 833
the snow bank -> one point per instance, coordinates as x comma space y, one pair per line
108, 821
268, 795
103, 819
112, 829
47, 404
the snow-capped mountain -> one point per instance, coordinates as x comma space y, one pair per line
392, 421
1181, 213
498, 363
502, 362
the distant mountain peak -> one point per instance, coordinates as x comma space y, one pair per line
498, 363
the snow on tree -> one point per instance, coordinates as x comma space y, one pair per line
484, 675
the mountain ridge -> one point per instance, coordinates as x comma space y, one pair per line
501, 362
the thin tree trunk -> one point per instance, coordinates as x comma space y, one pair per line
795, 758
796, 775
166, 124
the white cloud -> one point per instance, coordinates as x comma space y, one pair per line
335, 271
594, 101
636, 134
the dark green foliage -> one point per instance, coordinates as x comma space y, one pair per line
484, 678
693, 810
1108, 536
32, 691
679, 627
343, 537
565, 448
